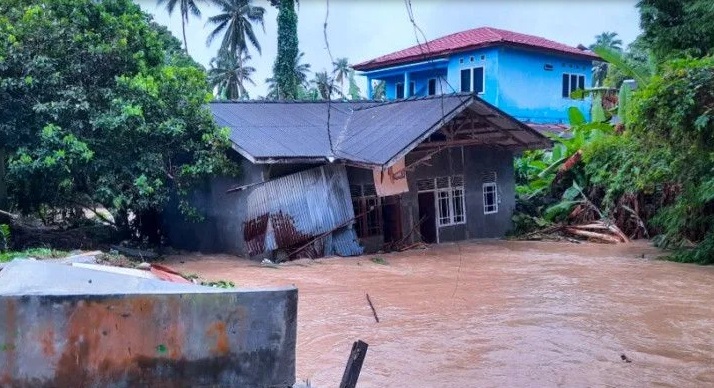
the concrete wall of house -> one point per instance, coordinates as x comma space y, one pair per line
220, 229
486, 58
531, 93
472, 163
515, 80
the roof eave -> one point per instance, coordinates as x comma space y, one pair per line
371, 65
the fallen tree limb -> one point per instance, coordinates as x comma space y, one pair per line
374, 312
599, 236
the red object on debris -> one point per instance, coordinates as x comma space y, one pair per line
168, 274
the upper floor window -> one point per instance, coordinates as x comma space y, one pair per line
571, 83
431, 88
399, 92
473, 80
412, 88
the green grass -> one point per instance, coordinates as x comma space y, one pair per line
219, 284
38, 253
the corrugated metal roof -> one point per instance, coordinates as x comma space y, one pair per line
377, 134
362, 132
468, 40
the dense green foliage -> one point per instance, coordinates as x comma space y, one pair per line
286, 81
676, 112
677, 28
98, 106
656, 178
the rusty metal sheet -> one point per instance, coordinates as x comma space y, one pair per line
293, 210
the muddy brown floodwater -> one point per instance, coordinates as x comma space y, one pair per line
497, 313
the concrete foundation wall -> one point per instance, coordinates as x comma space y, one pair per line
174, 339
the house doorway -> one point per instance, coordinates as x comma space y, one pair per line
392, 218
427, 216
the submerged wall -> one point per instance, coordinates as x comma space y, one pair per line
62, 326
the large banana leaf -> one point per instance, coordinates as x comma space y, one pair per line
617, 59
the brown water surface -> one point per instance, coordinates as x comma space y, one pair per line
497, 313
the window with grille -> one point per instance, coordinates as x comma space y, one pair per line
490, 198
449, 192
368, 210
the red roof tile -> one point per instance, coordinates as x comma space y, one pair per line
471, 39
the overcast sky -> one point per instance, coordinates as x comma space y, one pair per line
364, 29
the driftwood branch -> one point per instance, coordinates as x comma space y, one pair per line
599, 236
374, 312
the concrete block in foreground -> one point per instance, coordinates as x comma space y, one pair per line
63, 326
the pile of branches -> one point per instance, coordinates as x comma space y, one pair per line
28, 233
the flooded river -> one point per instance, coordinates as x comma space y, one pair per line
497, 313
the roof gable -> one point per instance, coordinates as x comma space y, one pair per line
472, 39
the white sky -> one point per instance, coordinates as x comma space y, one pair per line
365, 29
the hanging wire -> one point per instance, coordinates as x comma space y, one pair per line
331, 83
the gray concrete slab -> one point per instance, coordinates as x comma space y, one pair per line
63, 326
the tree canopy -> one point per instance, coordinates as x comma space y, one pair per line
100, 106
677, 28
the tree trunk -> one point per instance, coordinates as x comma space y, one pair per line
183, 29
4, 205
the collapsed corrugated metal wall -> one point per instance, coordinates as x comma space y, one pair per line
307, 214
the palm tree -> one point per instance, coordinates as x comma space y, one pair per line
325, 85
608, 39
186, 6
228, 75
612, 42
301, 71
236, 24
272, 89
341, 71
353, 89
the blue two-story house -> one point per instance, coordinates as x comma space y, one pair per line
528, 77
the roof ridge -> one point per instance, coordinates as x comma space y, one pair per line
414, 98
257, 101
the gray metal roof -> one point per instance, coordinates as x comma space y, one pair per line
365, 132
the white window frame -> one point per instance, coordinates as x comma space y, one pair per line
473, 78
570, 89
451, 192
490, 187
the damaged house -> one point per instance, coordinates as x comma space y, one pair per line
323, 178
